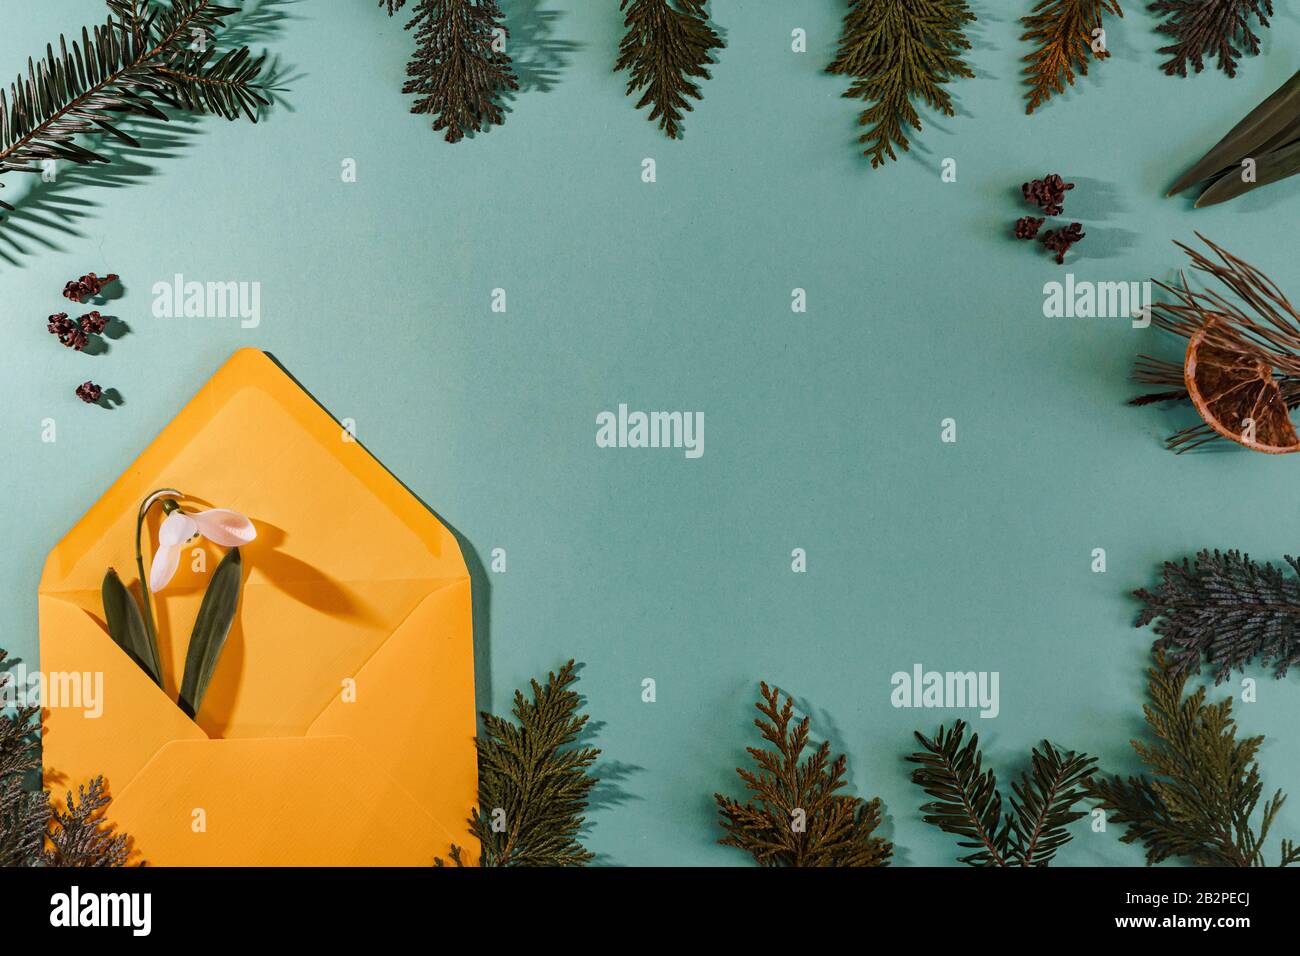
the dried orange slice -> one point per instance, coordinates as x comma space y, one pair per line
1236, 394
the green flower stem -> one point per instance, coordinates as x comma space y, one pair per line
145, 598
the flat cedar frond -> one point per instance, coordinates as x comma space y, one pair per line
1202, 28
1227, 610
1203, 785
24, 813
1065, 35
967, 802
797, 816
896, 52
460, 69
144, 56
79, 836
665, 49
534, 782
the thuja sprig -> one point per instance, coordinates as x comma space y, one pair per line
1226, 610
534, 780
897, 52
797, 814
1202, 785
667, 48
967, 802
1209, 28
144, 58
460, 69
1066, 35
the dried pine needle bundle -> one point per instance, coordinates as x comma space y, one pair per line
1241, 370
898, 52
1066, 34
796, 814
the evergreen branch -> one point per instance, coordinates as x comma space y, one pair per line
392, 5
24, 813
967, 802
1227, 610
80, 836
534, 782
1065, 34
667, 46
141, 54
1209, 28
1203, 784
796, 815
1044, 801
895, 52
460, 69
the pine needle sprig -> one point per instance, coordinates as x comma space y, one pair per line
1226, 610
392, 5
534, 780
665, 49
797, 815
1064, 35
143, 58
1209, 28
898, 52
460, 70
969, 805
1203, 784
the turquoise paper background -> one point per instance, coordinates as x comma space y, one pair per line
822, 429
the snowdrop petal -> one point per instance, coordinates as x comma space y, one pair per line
227, 528
165, 561
176, 529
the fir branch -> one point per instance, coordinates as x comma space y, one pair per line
1065, 35
142, 58
796, 816
460, 69
80, 836
667, 46
534, 782
1227, 610
968, 804
1202, 28
1203, 785
897, 52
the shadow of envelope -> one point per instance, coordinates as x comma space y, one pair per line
338, 727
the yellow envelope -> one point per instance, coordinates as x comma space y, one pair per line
338, 727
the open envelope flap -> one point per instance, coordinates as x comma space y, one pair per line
299, 801
344, 552
412, 705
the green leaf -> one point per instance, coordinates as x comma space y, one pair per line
216, 615
1275, 120
1274, 166
126, 626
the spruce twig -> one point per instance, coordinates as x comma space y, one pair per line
143, 58
796, 815
1203, 784
1066, 34
1209, 28
534, 780
897, 52
968, 804
460, 69
666, 48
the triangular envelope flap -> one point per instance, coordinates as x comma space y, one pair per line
412, 705
343, 553
305, 801
120, 730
